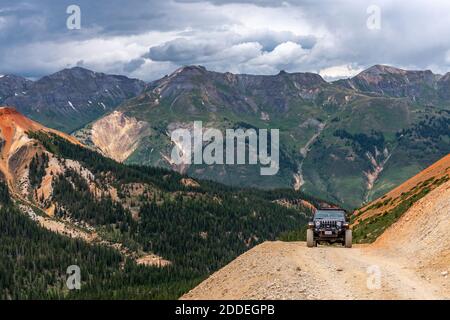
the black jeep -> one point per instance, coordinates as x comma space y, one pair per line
329, 225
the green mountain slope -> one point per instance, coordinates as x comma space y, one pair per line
340, 141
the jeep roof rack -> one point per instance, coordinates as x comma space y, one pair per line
331, 208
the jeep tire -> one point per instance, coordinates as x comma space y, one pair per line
348, 238
310, 238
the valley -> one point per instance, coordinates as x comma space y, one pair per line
348, 141
338, 141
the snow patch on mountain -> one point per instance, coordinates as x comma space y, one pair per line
71, 105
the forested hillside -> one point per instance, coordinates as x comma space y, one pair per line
33, 263
198, 226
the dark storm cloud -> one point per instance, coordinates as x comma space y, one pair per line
133, 65
146, 38
39, 20
262, 3
182, 50
98, 18
210, 49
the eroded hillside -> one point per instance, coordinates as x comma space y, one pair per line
370, 221
17, 148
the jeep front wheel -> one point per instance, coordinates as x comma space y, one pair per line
348, 238
310, 238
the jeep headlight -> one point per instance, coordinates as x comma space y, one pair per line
317, 224
339, 224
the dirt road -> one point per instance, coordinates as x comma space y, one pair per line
412, 259
280, 270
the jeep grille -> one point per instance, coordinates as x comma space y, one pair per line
328, 223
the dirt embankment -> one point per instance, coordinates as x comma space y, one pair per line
411, 260
438, 170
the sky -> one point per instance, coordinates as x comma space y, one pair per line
148, 39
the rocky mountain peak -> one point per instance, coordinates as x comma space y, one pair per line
190, 70
7, 111
71, 97
386, 71
445, 77
380, 69
12, 85
73, 72
394, 82
307, 78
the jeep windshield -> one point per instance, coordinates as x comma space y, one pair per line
329, 214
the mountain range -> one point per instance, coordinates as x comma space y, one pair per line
348, 144
68, 99
348, 141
